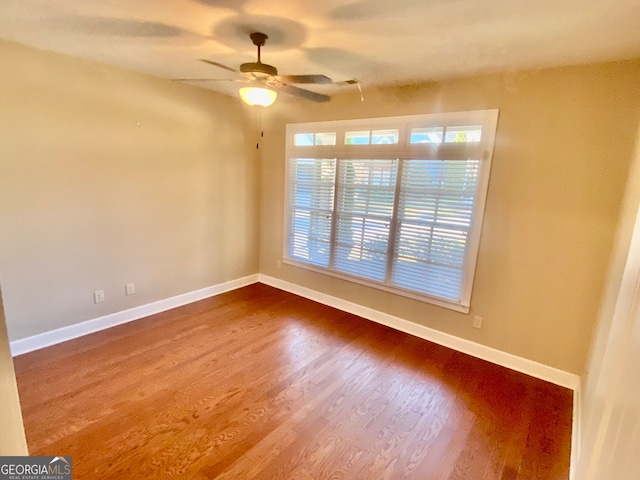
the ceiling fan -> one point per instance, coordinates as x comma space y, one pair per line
263, 79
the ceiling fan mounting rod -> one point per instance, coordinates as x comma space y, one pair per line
258, 39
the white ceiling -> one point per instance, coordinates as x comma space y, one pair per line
374, 41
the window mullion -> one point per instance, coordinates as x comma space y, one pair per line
334, 217
393, 227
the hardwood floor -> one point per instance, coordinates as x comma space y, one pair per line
261, 384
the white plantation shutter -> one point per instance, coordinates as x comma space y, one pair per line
402, 214
435, 213
366, 191
311, 194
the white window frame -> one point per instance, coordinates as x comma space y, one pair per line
403, 150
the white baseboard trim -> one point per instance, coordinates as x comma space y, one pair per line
46, 339
513, 362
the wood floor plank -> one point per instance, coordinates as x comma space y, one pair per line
261, 384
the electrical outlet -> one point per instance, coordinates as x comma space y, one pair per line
477, 322
130, 289
98, 296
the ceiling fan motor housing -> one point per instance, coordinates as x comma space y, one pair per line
259, 69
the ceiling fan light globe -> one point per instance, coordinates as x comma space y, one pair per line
263, 96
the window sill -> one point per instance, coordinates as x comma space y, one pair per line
458, 307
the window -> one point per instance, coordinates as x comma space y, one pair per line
307, 139
395, 203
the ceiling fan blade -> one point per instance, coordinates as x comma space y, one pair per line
219, 65
305, 79
208, 80
299, 92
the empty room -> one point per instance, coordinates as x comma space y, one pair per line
354, 239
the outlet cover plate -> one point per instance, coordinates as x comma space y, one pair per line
98, 296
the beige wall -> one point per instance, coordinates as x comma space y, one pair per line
109, 177
12, 439
564, 145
